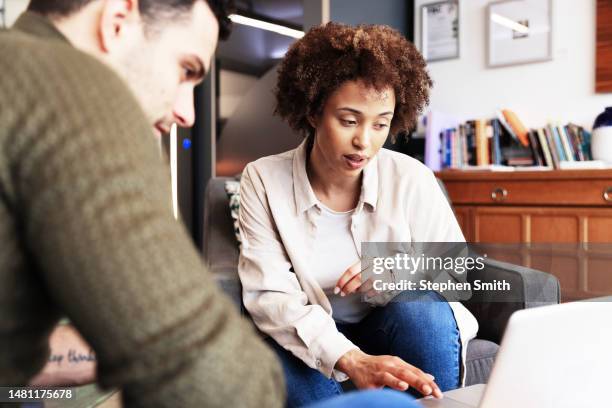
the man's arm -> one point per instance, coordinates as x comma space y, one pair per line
71, 362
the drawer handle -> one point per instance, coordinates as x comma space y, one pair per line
500, 194
607, 195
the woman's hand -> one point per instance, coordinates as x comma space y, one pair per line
368, 371
350, 281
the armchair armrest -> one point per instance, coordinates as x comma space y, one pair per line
529, 288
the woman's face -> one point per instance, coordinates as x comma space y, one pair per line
353, 127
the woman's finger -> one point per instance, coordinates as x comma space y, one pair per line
353, 270
389, 380
351, 286
421, 381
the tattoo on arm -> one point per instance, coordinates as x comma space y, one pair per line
72, 357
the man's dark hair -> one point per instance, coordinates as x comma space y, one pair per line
153, 11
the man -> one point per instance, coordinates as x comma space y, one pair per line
85, 222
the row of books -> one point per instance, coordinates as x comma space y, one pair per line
504, 140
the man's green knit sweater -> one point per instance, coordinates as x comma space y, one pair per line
86, 231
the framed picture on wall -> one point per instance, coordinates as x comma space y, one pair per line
519, 32
440, 30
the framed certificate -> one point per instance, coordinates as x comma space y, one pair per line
440, 30
519, 32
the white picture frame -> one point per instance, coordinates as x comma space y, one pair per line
440, 30
519, 32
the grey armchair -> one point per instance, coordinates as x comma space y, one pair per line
531, 287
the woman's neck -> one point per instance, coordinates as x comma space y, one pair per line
336, 191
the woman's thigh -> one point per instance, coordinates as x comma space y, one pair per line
422, 332
304, 384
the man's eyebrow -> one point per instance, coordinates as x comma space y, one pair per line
357, 112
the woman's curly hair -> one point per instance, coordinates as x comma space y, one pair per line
331, 54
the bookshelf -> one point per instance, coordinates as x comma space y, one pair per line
566, 212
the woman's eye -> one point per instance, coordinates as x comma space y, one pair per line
381, 126
349, 122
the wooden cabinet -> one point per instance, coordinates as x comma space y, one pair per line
561, 221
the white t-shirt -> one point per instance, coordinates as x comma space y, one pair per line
334, 253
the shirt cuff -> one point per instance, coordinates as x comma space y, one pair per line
329, 348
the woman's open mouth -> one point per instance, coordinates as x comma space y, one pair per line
355, 161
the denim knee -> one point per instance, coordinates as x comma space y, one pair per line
429, 313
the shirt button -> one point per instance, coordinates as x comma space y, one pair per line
318, 363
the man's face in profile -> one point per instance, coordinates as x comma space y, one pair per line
167, 59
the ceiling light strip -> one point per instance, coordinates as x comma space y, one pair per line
264, 25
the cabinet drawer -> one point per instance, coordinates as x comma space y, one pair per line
596, 192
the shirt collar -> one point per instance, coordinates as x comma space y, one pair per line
305, 198
39, 26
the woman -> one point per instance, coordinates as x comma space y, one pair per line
305, 213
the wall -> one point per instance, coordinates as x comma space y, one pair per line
13, 9
233, 86
559, 90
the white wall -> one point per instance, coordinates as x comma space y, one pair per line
560, 90
13, 9
233, 87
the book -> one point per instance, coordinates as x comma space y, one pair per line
517, 126
506, 126
436, 122
482, 148
496, 155
545, 148
471, 141
557, 142
553, 149
572, 134
465, 153
536, 148
569, 153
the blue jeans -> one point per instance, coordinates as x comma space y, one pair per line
421, 332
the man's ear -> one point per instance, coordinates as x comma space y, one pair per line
117, 23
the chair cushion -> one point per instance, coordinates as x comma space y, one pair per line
479, 361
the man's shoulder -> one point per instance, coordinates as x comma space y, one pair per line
50, 67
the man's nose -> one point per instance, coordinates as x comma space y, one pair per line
184, 112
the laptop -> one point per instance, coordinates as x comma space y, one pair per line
556, 356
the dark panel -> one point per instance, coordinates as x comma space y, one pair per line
390, 12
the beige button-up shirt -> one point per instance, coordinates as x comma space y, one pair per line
400, 202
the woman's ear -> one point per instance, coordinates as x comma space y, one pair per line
312, 121
116, 28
